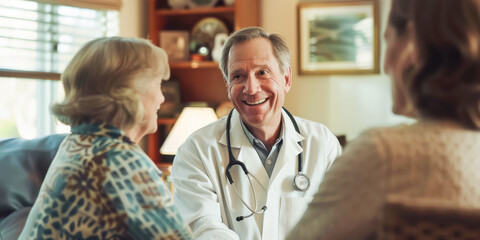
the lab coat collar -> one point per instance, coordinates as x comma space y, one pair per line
235, 126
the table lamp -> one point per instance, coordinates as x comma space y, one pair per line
190, 120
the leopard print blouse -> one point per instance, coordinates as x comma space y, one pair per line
101, 185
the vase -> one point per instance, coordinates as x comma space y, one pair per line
220, 40
177, 4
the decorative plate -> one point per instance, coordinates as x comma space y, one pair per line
204, 32
201, 3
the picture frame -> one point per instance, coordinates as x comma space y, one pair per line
171, 107
339, 37
176, 44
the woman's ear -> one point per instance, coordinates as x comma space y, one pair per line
408, 56
405, 67
411, 48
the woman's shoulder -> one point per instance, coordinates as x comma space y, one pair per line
101, 149
378, 142
405, 132
428, 131
421, 139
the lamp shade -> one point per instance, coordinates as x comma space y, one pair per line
190, 120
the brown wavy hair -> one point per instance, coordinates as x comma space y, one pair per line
445, 81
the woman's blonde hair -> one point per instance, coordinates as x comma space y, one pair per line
444, 83
105, 81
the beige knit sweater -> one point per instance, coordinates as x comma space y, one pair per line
434, 160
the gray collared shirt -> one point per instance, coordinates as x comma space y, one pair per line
268, 159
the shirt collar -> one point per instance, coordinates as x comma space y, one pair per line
252, 138
101, 129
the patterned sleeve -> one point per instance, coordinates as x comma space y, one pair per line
142, 200
349, 198
117, 194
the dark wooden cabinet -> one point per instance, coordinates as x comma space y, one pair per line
199, 81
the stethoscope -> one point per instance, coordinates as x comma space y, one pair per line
300, 182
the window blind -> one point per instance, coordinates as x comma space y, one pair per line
38, 38
94, 4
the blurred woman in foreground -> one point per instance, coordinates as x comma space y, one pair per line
433, 59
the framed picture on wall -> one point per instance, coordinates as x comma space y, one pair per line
339, 37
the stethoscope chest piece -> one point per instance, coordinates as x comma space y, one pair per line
301, 182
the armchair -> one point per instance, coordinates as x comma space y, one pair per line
23, 166
423, 220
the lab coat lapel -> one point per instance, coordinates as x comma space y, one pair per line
245, 150
288, 155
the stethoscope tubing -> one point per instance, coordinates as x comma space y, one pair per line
302, 179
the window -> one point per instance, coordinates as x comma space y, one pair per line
37, 40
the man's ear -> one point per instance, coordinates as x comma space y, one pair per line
288, 78
227, 86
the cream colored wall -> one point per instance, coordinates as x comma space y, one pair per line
346, 104
133, 18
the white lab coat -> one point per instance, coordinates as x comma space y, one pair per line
208, 202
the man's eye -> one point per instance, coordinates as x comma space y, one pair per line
262, 72
236, 77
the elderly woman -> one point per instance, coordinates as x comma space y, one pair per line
433, 58
101, 185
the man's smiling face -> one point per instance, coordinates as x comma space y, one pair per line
256, 85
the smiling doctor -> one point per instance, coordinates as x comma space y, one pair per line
251, 174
